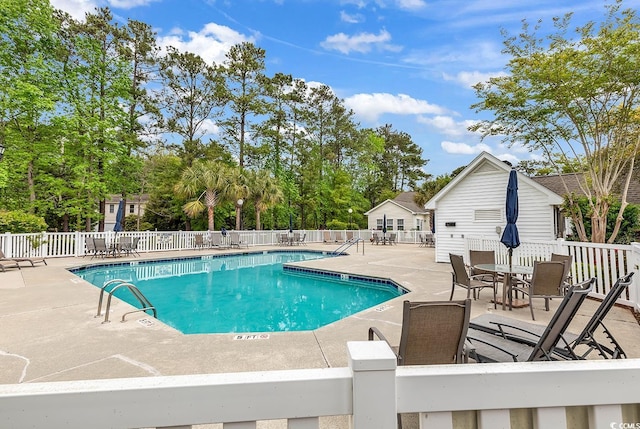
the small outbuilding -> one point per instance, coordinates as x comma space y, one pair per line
402, 212
473, 204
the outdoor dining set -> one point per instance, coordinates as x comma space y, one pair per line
99, 247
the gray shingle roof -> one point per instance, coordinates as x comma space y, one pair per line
554, 182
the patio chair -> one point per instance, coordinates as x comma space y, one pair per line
461, 278
495, 347
339, 238
8, 263
546, 282
126, 244
571, 344
302, 239
429, 240
216, 241
90, 247
283, 239
393, 238
326, 236
567, 260
484, 257
349, 236
101, 247
32, 261
234, 240
199, 241
432, 333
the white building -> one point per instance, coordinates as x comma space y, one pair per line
473, 204
402, 213
134, 205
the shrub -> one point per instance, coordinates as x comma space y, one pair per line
18, 222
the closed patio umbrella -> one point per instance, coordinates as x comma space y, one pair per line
384, 227
119, 217
510, 237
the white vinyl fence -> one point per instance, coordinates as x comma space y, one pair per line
605, 262
370, 391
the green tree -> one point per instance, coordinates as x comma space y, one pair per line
244, 73
192, 95
263, 189
209, 183
576, 97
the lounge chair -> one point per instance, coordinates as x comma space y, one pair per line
571, 344
8, 263
32, 261
546, 283
326, 236
349, 236
461, 278
494, 347
433, 333
339, 237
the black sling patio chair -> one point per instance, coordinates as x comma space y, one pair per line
573, 346
493, 347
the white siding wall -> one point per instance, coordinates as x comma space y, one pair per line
485, 189
395, 212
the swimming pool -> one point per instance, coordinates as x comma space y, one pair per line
250, 292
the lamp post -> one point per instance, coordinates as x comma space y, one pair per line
350, 211
1, 151
239, 215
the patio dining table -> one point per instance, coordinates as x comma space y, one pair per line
507, 271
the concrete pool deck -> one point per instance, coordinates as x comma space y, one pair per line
49, 331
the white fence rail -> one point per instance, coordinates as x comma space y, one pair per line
605, 262
370, 392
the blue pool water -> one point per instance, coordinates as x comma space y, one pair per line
244, 293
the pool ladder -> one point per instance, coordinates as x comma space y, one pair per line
146, 305
347, 244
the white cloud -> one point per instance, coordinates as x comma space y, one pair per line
361, 42
447, 125
129, 4
464, 148
469, 79
209, 127
76, 8
349, 18
411, 4
371, 106
211, 43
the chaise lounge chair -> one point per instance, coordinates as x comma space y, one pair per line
8, 263
32, 261
571, 343
493, 347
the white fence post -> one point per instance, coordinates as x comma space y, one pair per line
7, 245
634, 288
373, 365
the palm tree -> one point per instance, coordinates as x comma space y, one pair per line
265, 192
209, 181
238, 190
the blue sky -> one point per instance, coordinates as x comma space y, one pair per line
408, 63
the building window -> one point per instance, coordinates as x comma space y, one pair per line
379, 224
132, 208
389, 224
111, 208
400, 224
